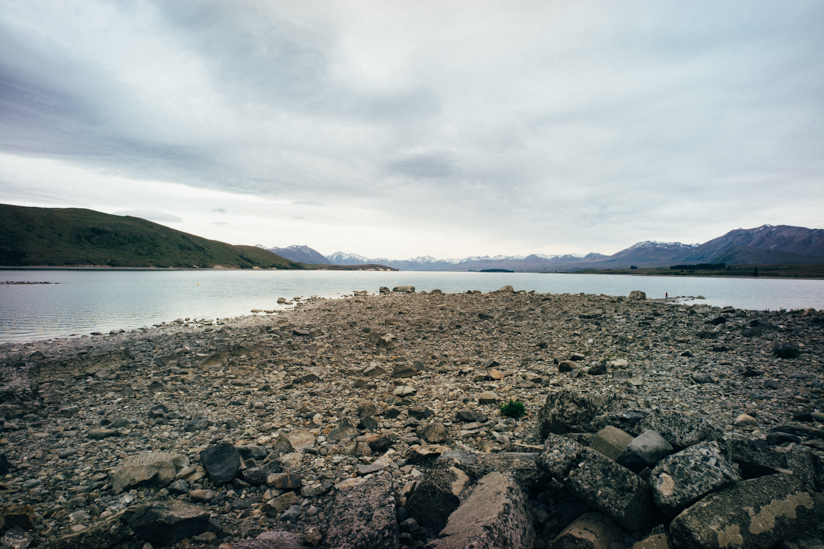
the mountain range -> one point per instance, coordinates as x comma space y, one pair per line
764, 245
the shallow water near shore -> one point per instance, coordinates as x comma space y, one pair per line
79, 302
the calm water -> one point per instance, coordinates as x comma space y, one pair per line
79, 302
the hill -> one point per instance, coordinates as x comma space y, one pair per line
80, 237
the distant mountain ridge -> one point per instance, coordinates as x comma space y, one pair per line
767, 244
300, 254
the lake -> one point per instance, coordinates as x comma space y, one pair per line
80, 301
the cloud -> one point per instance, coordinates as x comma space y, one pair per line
151, 215
532, 127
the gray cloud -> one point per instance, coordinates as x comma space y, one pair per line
535, 125
219, 210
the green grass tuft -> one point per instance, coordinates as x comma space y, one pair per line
513, 409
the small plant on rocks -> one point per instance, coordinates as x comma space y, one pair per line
786, 350
513, 409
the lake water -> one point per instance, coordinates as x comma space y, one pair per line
79, 302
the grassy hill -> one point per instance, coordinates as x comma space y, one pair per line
79, 237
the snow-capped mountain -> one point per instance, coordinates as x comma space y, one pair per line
301, 254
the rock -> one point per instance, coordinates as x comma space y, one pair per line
202, 496
149, 469
488, 397
679, 429
272, 540
610, 442
404, 289
438, 495
520, 465
100, 434
589, 531
745, 420
655, 541
343, 431
19, 516
301, 439
167, 523
567, 366
103, 534
312, 536
293, 513
683, 478
507, 290
364, 517
285, 481
16, 538
569, 411
612, 489
278, 505
221, 461
637, 294
756, 458
404, 371
645, 450
495, 515
755, 513
433, 433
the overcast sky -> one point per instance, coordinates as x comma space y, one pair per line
399, 129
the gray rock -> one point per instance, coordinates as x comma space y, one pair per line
610, 441
755, 513
344, 430
683, 478
221, 461
363, 517
293, 513
599, 481
756, 458
438, 495
149, 469
433, 433
404, 289
589, 531
645, 450
569, 411
167, 523
678, 428
520, 465
495, 515
103, 534
637, 294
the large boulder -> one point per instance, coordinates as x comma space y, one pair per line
496, 515
756, 513
683, 478
612, 489
147, 469
569, 411
438, 495
610, 442
165, 523
363, 517
520, 465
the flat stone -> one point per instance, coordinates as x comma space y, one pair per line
301, 439
755, 458
755, 513
495, 515
433, 433
149, 469
488, 397
277, 505
100, 434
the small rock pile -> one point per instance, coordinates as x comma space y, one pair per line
374, 421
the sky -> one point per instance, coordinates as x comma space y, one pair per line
399, 129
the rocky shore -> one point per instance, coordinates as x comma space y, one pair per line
374, 421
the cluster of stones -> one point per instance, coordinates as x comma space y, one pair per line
374, 421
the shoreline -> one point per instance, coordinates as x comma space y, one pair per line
354, 392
